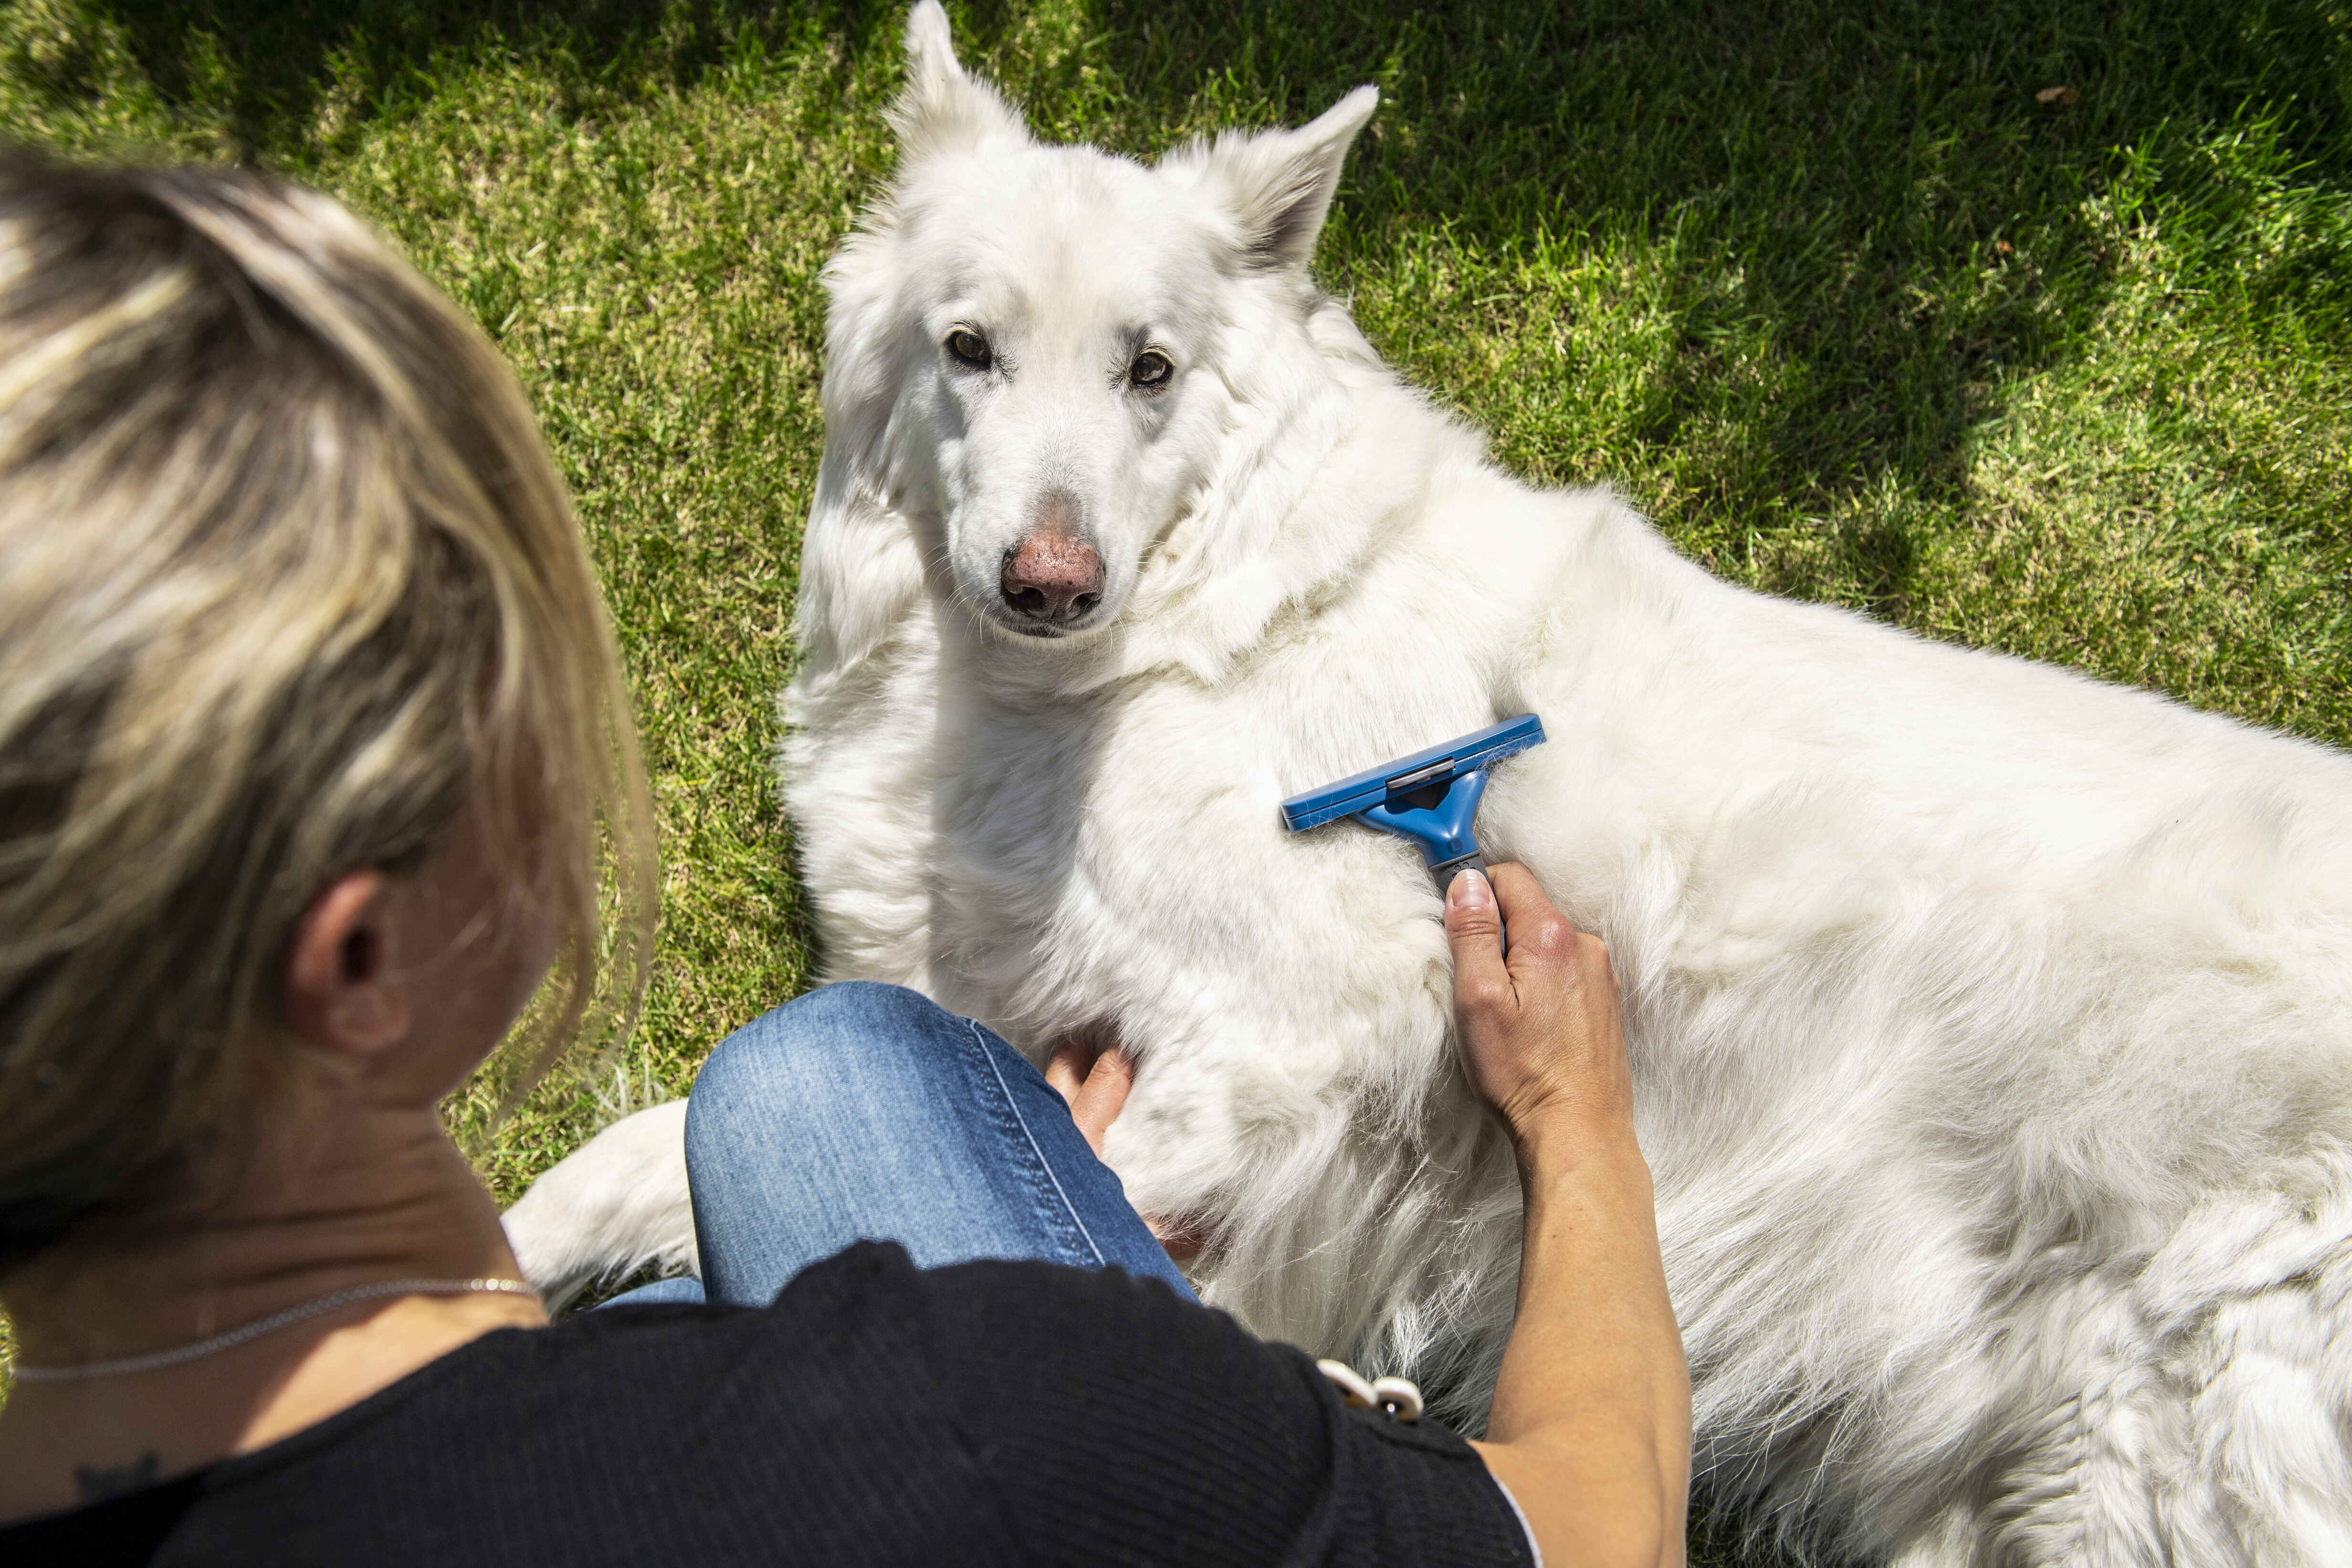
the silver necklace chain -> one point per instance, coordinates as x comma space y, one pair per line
296, 1313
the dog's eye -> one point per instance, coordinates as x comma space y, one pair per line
1150, 369
970, 347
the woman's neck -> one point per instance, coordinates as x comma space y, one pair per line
362, 1198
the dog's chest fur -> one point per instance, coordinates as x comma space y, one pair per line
1116, 856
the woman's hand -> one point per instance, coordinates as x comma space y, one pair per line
1540, 1026
1095, 1079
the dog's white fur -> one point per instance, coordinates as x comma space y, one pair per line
1991, 1026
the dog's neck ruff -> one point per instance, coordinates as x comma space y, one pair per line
180, 1356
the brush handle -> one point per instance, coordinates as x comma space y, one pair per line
1443, 875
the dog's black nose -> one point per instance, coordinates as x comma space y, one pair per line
1053, 575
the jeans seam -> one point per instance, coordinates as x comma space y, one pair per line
1069, 1209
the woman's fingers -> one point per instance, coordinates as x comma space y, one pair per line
1095, 1079
1539, 1028
1096, 1082
1182, 1239
1543, 942
1067, 1068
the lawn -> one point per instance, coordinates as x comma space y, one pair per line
2024, 325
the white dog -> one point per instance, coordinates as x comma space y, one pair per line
1991, 1026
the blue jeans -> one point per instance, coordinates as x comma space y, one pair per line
867, 1112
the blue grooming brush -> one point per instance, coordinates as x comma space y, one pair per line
1431, 797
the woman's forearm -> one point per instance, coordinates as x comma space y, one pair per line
1590, 1424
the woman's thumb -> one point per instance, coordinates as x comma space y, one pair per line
1474, 928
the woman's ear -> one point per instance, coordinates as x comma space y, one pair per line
338, 994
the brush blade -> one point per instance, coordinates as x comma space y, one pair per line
1438, 764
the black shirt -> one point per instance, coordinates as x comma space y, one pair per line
993, 1412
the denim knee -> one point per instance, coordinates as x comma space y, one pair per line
796, 1056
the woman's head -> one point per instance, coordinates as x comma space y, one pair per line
287, 586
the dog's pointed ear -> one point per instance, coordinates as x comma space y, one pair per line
1278, 184
943, 109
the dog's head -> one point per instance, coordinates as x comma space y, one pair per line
1025, 339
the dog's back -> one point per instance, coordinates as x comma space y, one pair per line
1992, 1027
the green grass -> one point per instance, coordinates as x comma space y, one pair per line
1826, 288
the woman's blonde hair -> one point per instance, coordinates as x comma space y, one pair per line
287, 579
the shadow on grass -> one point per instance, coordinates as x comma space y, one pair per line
1875, 211
269, 64
1900, 214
